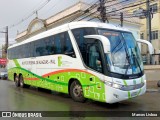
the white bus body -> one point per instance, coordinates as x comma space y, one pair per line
84, 59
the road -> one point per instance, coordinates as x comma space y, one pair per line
18, 99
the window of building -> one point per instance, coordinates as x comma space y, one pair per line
154, 35
154, 7
142, 35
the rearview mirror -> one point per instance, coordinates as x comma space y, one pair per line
103, 39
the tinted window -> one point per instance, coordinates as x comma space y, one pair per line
94, 59
39, 47
67, 46
56, 44
50, 45
79, 36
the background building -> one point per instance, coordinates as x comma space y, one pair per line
75, 13
141, 12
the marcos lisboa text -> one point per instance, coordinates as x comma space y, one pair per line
147, 114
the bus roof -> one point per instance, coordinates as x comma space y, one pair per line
68, 26
80, 24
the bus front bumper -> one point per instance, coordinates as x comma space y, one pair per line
114, 95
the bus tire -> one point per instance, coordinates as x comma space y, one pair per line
76, 91
16, 80
22, 85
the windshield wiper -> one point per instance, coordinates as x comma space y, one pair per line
135, 58
128, 58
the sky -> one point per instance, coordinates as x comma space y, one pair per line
14, 11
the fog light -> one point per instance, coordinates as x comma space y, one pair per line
115, 95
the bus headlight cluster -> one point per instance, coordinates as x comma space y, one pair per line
123, 87
117, 86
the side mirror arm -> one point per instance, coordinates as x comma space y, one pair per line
103, 39
150, 46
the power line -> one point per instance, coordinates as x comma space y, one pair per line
87, 10
27, 17
115, 10
53, 6
94, 5
105, 6
34, 8
127, 7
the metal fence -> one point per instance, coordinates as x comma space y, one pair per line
154, 59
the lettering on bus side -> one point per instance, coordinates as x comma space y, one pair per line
38, 62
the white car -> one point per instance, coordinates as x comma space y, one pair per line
3, 74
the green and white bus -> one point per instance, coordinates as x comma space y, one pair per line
90, 60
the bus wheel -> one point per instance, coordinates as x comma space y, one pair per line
22, 85
21, 81
76, 92
16, 79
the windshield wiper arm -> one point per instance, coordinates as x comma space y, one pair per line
128, 58
135, 58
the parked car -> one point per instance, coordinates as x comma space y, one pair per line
3, 74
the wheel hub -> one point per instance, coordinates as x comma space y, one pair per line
77, 91
16, 79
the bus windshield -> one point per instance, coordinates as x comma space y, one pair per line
125, 55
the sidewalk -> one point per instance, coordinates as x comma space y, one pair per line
152, 84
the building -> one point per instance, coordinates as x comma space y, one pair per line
37, 25
155, 31
140, 11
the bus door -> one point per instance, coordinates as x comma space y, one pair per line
94, 57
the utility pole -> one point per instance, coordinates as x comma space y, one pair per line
149, 34
121, 18
6, 39
102, 10
36, 14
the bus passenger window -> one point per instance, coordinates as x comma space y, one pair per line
95, 61
68, 48
57, 44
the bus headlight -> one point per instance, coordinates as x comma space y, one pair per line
123, 87
117, 86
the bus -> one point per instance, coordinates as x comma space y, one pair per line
87, 60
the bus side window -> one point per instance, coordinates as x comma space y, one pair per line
57, 44
31, 49
94, 58
79, 34
50, 45
68, 47
27, 50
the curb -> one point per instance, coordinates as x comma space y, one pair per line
152, 90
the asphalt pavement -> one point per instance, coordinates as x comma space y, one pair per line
32, 99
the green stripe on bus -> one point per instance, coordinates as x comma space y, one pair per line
129, 95
125, 83
48, 80
139, 92
16, 63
